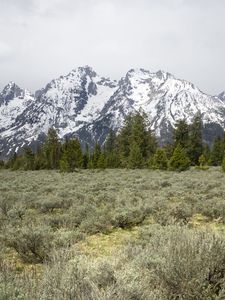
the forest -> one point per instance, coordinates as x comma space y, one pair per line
134, 147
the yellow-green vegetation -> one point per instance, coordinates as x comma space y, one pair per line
112, 234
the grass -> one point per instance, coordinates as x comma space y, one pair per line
98, 219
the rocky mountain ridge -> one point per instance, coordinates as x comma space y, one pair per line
86, 105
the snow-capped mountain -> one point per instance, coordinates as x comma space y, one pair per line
67, 103
86, 105
164, 99
13, 101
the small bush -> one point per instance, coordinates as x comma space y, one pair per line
32, 244
126, 218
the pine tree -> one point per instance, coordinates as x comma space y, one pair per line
160, 160
135, 159
181, 134
223, 164
142, 135
136, 134
2, 164
217, 152
179, 161
101, 164
110, 150
206, 152
28, 158
52, 149
90, 164
169, 148
40, 159
86, 157
72, 157
124, 139
195, 147
18, 163
96, 155
12, 161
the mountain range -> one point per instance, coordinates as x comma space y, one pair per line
86, 105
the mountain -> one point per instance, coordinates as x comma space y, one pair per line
86, 105
13, 101
67, 103
164, 99
222, 96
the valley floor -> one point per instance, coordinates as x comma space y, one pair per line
112, 234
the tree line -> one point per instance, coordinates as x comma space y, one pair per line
134, 146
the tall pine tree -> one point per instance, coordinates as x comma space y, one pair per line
217, 152
72, 157
195, 147
181, 134
52, 149
111, 150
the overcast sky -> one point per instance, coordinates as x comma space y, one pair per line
42, 39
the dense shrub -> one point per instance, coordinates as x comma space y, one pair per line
125, 218
43, 220
33, 244
184, 263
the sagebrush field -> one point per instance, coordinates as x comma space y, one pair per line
112, 234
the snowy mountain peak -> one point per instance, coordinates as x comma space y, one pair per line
86, 105
10, 92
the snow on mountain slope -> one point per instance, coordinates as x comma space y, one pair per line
163, 98
13, 101
86, 105
67, 103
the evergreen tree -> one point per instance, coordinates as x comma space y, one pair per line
110, 150
169, 148
101, 164
52, 149
179, 161
135, 159
39, 159
202, 161
195, 147
96, 155
160, 160
223, 164
124, 139
217, 152
72, 156
12, 161
90, 164
206, 152
181, 134
136, 134
86, 157
28, 158
2, 164
142, 135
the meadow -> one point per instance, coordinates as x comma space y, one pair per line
112, 234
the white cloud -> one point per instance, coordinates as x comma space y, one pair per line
5, 51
